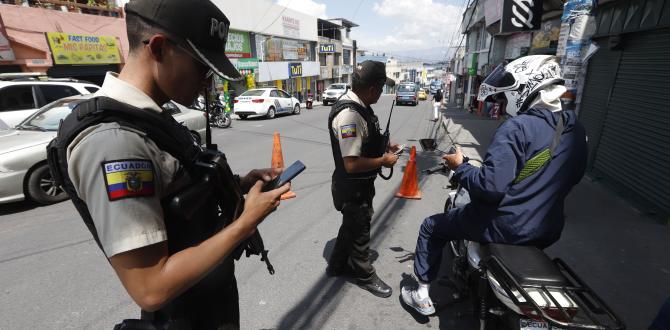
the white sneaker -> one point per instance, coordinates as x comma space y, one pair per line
411, 298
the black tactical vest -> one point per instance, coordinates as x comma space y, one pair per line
373, 145
202, 303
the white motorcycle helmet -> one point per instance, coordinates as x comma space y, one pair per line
520, 81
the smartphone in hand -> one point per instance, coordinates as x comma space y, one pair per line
289, 174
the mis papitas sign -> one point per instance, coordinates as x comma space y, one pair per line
521, 15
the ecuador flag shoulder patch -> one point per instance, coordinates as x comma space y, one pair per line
128, 178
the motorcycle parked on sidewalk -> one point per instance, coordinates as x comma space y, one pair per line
518, 287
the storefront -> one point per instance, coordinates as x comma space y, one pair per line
287, 64
624, 106
61, 44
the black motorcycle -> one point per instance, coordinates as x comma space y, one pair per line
518, 287
218, 116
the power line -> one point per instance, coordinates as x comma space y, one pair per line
357, 8
278, 16
262, 17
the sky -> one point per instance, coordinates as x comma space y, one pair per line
409, 29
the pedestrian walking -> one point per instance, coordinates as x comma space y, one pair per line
437, 103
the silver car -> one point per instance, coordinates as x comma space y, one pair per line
24, 173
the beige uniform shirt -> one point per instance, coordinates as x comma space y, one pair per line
350, 128
121, 175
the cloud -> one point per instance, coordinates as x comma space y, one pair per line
419, 24
305, 6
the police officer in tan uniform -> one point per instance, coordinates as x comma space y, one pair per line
359, 152
123, 176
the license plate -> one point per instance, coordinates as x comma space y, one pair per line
528, 324
406, 97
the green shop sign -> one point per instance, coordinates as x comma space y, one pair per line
238, 45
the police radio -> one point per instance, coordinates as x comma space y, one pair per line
386, 140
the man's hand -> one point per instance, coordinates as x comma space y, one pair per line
259, 204
393, 148
454, 160
389, 159
265, 175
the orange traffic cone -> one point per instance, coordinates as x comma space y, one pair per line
278, 162
410, 182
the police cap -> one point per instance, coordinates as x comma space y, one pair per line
372, 73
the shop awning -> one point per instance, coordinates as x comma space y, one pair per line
26, 26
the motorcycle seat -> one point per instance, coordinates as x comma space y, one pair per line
528, 265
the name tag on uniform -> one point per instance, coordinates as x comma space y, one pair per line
348, 131
128, 178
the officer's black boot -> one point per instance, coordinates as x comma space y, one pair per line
376, 286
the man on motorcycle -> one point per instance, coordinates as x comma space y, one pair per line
517, 195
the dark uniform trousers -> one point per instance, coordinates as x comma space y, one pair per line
354, 199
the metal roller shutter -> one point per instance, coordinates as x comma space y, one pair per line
634, 148
599, 83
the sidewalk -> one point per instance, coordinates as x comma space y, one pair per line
618, 251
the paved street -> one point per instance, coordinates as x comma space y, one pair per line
54, 276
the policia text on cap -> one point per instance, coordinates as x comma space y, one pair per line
122, 162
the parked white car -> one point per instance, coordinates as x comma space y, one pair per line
333, 93
24, 173
265, 102
21, 95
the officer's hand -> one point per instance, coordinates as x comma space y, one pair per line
393, 148
265, 175
259, 204
454, 160
389, 159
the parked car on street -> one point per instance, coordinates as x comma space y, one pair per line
265, 102
423, 94
407, 93
24, 173
23, 94
333, 93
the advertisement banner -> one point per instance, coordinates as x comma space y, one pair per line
521, 15
472, 68
247, 63
83, 49
546, 39
294, 70
290, 50
6, 52
326, 48
238, 45
291, 26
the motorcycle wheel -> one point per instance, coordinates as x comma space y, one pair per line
218, 121
226, 121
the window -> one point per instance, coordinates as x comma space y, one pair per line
274, 93
171, 108
406, 88
283, 94
346, 56
91, 89
322, 60
18, 97
55, 92
254, 92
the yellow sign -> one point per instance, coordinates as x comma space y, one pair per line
83, 49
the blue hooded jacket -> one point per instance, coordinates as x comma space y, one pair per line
529, 212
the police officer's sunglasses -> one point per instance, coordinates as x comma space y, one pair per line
208, 74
